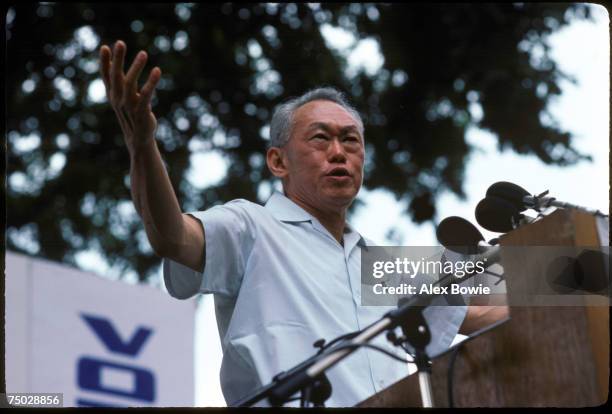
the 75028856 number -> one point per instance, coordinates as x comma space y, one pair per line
34, 399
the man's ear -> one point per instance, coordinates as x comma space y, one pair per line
276, 160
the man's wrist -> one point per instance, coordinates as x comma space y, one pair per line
146, 148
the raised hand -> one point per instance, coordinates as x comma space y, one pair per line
131, 105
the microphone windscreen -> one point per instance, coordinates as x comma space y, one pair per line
509, 192
459, 235
495, 214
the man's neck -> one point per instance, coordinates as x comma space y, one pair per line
334, 220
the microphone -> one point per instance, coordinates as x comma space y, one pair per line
585, 273
522, 200
498, 215
460, 236
509, 192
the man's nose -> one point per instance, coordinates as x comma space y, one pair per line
336, 151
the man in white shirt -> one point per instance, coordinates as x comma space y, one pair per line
285, 274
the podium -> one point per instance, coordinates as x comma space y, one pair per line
542, 356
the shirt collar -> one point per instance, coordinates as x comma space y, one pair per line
284, 209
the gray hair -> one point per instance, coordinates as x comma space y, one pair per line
282, 120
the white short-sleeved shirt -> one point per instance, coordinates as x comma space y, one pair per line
280, 282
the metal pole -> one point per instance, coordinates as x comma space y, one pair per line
426, 391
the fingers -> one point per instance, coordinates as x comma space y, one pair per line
131, 79
147, 90
105, 56
131, 105
116, 73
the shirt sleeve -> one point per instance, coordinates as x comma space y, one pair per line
229, 235
445, 314
444, 323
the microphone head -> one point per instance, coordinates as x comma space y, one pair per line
459, 235
496, 214
509, 192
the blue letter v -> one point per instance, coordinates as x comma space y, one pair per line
109, 336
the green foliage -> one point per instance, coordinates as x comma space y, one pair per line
225, 67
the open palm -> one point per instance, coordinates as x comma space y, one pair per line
131, 105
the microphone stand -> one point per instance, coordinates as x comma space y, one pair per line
537, 202
316, 392
417, 334
408, 315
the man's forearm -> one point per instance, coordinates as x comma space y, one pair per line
155, 200
171, 233
481, 316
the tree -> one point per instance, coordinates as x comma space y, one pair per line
225, 67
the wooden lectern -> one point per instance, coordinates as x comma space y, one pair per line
543, 356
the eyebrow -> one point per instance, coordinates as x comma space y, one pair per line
326, 128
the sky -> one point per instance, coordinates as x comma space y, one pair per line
582, 50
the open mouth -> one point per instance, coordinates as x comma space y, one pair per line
339, 172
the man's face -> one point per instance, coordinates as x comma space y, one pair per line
324, 156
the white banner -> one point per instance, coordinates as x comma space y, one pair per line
99, 342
